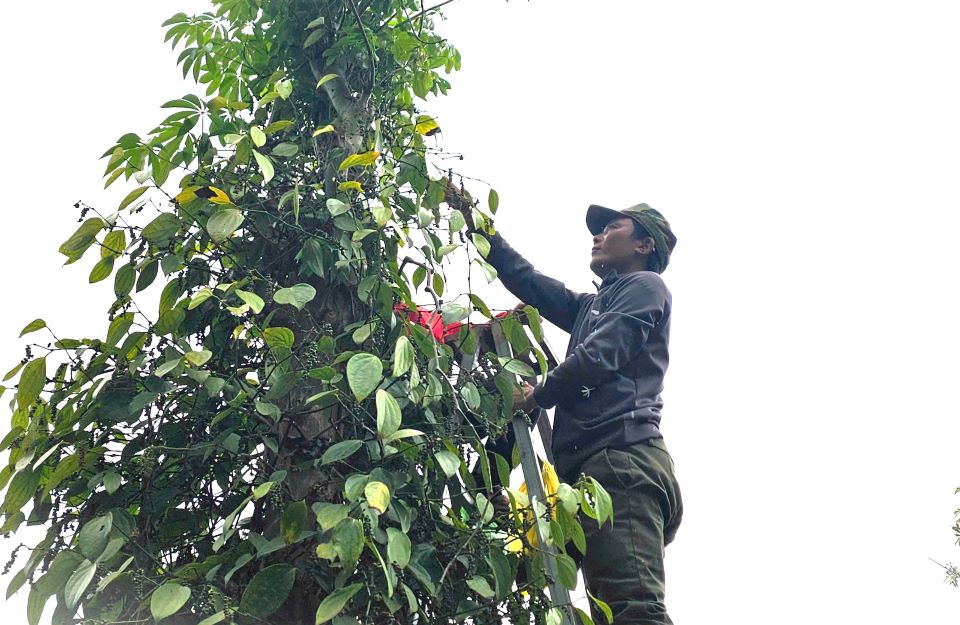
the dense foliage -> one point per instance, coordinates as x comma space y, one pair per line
282, 439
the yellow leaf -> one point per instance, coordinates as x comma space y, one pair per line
427, 126
320, 131
211, 194
350, 184
377, 495
364, 159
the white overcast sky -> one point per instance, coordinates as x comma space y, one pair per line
807, 156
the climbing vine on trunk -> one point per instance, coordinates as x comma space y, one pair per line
286, 437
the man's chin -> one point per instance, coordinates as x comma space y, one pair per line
596, 266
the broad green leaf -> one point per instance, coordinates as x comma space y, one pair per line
388, 414
77, 584
286, 150
568, 570
329, 515
443, 250
167, 367
277, 126
481, 586
267, 591
298, 295
198, 358
457, 221
337, 207
364, 372
603, 607
251, 299
168, 599
284, 88
381, 214
257, 136
402, 356
132, 197
449, 462
83, 238
200, 297
111, 482
32, 380
21, 490
293, 521
517, 366
325, 79
266, 166
213, 619
161, 229
348, 542
341, 450
33, 326
489, 272
334, 603
278, 338
93, 536
113, 244
232, 139
323, 130
364, 159
481, 243
102, 269
454, 312
403, 433
260, 490
493, 202
123, 283
224, 223
377, 495
398, 547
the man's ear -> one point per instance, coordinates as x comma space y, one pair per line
645, 246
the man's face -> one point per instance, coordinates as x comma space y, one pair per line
617, 248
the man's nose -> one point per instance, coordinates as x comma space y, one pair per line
597, 238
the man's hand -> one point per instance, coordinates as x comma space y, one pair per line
523, 399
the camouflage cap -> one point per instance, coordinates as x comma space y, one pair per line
649, 218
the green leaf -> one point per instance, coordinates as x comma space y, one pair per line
260, 490
297, 296
102, 269
348, 542
167, 367
293, 521
83, 238
32, 380
132, 197
398, 547
284, 88
388, 414
77, 584
481, 586
257, 136
213, 619
377, 495
33, 326
168, 599
268, 589
111, 482
457, 221
402, 356
198, 358
364, 159
224, 223
364, 372
278, 338
341, 450
123, 283
604, 608
481, 243
449, 462
200, 297
329, 515
286, 150
454, 312
567, 569
161, 229
337, 207
502, 571
266, 166
251, 299
325, 79
493, 201
93, 536
334, 603
113, 244
21, 489
517, 366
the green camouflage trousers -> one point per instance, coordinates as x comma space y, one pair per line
624, 562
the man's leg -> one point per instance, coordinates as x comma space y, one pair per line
623, 565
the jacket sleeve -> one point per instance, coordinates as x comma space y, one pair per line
556, 302
619, 333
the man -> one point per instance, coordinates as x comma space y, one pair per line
607, 398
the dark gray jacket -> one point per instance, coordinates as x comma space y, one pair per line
607, 390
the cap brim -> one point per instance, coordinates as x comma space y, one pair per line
599, 216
